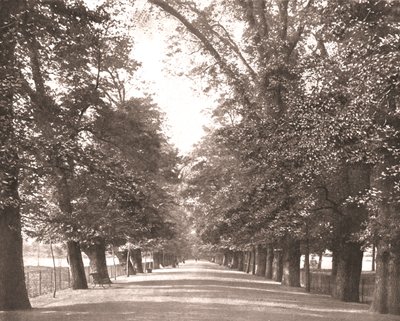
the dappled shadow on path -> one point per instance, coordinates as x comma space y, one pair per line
201, 291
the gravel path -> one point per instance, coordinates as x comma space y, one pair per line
195, 291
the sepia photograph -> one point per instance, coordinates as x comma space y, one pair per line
193, 160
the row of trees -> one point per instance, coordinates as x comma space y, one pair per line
81, 161
305, 153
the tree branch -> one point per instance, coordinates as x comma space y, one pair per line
235, 49
208, 46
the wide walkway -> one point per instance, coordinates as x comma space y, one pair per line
194, 291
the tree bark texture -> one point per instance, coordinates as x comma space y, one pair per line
77, 270
97, 257
261, 260
387, 279
291, 262
277, 266
13, 293
269, 262
348, 274
350, 181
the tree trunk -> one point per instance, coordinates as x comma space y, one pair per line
320, 255
291, 263
277, 266
174, 261
226, 258
307, 266
348, 274
241, 260
156, 260
77, 270
97, 257
269, 262
261, 260
137, 258
235, 260
13, 293
350, 181
333, 272
387, 279
248, 261
253, 261
373, 258
163, 259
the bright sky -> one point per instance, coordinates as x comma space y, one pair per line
184, 106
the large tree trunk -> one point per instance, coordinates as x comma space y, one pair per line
261, 260
137, 258
350, 181
78, 277
277, 266
291, 262
13, 294
348, 274
387, 279
97, 257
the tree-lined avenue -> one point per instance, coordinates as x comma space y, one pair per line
194, 291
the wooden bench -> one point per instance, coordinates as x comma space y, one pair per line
97, 280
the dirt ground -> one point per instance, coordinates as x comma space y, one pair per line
194, 291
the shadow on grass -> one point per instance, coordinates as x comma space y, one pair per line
168, 309
215, 294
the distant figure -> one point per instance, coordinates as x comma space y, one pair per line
183, 260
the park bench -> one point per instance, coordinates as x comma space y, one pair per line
98, 280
